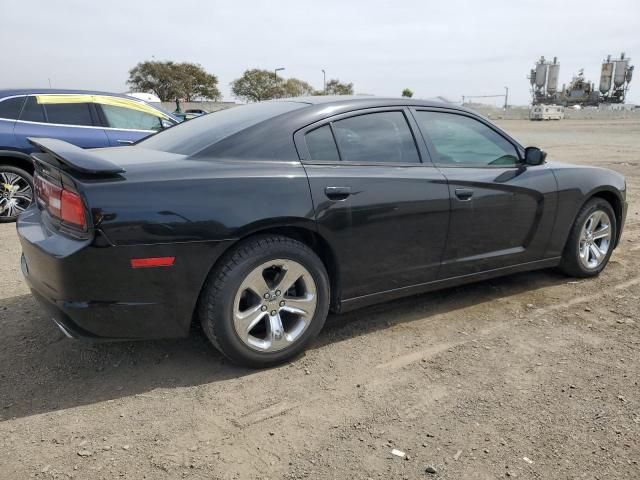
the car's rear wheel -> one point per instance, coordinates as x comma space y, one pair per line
265, 301
16, 192
591, 240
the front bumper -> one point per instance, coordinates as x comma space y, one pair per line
90, 290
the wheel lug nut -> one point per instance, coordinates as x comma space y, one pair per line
278, 292
266, 295
264, 308
273, 313
282, 303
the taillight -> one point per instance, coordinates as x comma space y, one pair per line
62, 204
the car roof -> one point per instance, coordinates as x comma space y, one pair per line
370, 101
49, 91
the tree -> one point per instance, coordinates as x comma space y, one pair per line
335, 87
407, 92
256, 85
293, 87
170, 80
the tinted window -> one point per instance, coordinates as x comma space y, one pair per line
376, 137
321, 144
127, 118
10, 108
69, 113
463, 141
190, 137
32, 111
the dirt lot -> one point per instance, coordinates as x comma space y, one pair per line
530, 376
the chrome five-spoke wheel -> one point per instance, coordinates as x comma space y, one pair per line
595, 239
274, 305
16, 193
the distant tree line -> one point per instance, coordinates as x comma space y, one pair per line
171, 80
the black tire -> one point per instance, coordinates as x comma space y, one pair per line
24, 175
571, 264
216, 303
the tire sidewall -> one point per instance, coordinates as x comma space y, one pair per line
24, 174
226, 337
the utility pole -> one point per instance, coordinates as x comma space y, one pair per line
463, 100
275, 74
506, 97
324, 81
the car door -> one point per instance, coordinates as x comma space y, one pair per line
502, 210
127, 122
49, 116
378, 199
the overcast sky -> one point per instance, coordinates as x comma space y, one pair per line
449, 48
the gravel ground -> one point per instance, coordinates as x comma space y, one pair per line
529, 376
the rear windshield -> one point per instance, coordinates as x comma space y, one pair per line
192, 136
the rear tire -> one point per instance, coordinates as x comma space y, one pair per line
591, 240
265, 301
16, 192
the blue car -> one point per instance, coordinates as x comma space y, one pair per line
85, 118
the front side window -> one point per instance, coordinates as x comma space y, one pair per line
32, 111
464, 141
382, 137
69, 113
11, 107
321, 144
129, 119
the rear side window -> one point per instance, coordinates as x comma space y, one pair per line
382, 137
129, 119
10, 108
32, 111
321, 144
69, 113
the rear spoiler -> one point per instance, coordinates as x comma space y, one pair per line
76, 158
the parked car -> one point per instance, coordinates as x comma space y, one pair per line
83, 118
258, 220
197, 111
184, 116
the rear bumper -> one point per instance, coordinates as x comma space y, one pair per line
90, 290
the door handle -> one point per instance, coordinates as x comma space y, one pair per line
125, 142
464, 194
337, 193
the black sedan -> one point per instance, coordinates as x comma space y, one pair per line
257, 220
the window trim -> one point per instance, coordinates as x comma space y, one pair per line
424, 159
434, 152
97, 120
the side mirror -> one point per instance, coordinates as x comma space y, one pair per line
534, 156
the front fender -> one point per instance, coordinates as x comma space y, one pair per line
576, 185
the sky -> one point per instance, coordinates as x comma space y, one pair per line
436, 48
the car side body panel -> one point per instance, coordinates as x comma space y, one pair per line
576, 185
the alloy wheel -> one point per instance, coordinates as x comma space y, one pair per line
595, 240
274, 305
16, 194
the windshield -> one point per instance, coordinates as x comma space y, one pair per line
192, 136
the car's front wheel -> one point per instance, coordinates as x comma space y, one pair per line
591, 240
16, 192
265, 301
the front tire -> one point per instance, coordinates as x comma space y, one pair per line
16, 192
591, 240
265, 301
